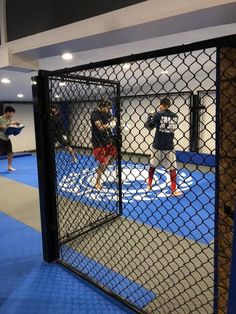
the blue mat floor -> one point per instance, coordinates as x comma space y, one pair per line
26, 173
190, 216
30, 286
113, 281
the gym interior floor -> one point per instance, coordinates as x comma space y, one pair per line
27, 283
181, 269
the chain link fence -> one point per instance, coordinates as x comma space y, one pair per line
137, 217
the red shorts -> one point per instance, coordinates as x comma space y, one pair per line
103, 154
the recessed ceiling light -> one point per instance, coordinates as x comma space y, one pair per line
164, 72
67, 56
33, 82
20, 95
126, 66
5, 80
62, 83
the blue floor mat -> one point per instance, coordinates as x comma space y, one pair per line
16, 155
122, 286
26, 173
7, 228
30, 286
190, 216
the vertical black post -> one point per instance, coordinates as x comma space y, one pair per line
119, 144
46, 167
1, 108
232, 284
194, 123
217, 184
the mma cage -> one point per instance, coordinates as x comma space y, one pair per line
153, 252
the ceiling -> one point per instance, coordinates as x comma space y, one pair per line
112, 42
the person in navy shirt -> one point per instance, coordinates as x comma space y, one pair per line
104, 150
163, 153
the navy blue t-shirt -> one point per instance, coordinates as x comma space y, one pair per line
165, 123
100, 138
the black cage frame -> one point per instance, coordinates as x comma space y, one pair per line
45, 150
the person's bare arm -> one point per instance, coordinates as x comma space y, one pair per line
2, 126
15, 123
101, 126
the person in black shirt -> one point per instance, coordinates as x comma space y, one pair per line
165, 122
59, 133
102, 138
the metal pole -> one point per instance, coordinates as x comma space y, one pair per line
46, 168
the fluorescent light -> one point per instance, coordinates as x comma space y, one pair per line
67, 56
5, 80
20, 95
62, 83
126, 66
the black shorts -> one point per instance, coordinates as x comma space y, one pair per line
5, 147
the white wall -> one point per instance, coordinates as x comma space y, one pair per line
207, 127
190, 71
187, 72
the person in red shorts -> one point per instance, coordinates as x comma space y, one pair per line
102, 138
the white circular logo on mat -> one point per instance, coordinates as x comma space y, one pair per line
133, 183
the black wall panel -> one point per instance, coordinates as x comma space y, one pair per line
27, 17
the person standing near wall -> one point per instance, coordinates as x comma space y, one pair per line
5, 142
59, 132
102, 138
163, 153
